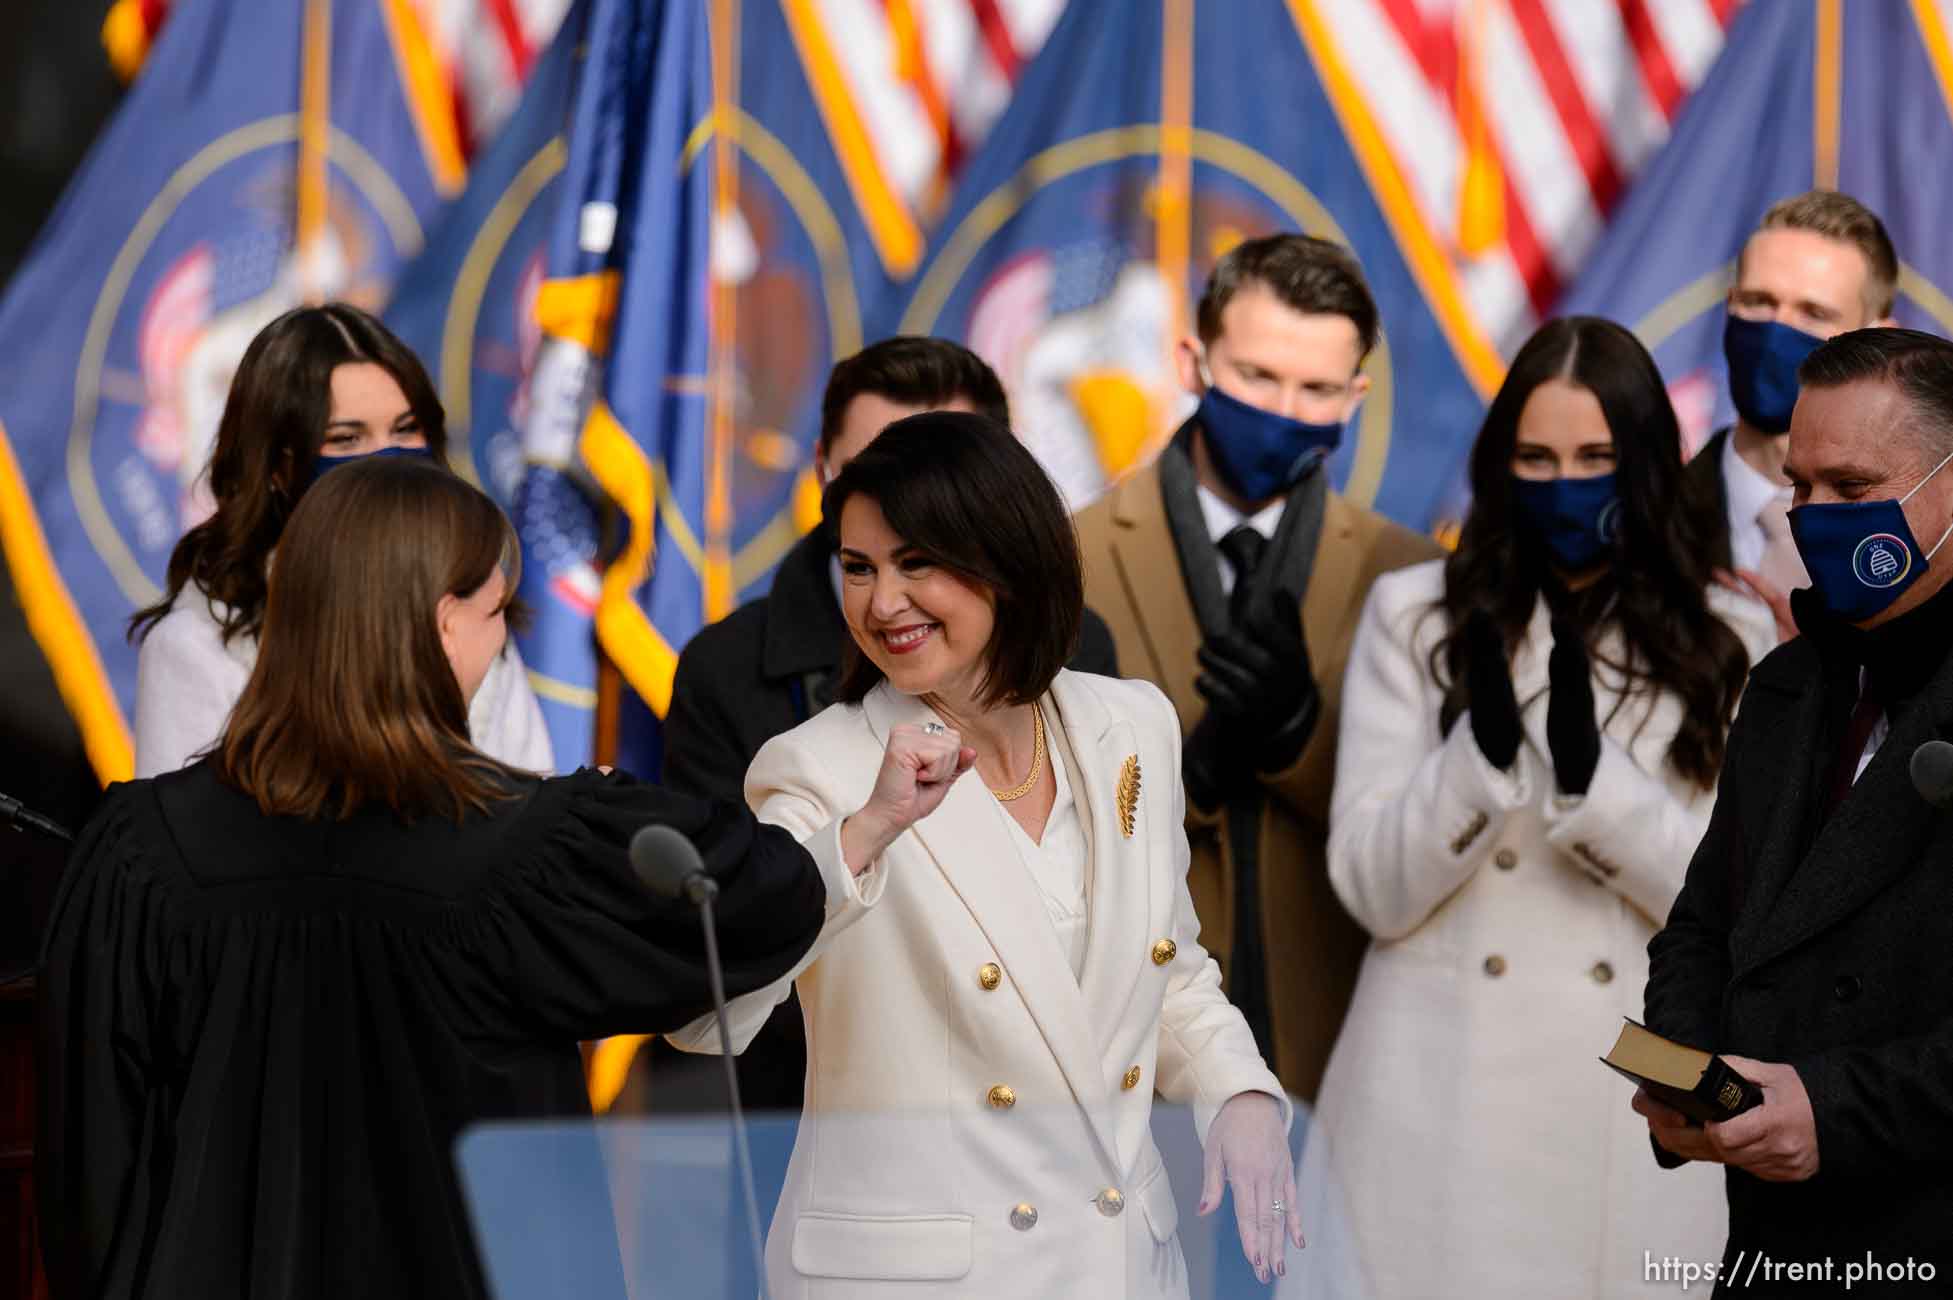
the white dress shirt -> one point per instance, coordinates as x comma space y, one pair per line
1223, 519
1746, 492
1057, 861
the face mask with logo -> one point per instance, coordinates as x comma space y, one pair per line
1861, 554
1763, 357
322, 463
1258, 453
1576, 519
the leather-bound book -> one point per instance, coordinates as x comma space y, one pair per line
1699, 1084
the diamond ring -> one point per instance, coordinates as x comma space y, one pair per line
1276, 1206
934, 729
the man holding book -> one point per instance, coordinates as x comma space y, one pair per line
1809, 945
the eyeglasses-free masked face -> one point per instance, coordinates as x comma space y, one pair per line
1562, 433
1802, 279
925, 626
369, 413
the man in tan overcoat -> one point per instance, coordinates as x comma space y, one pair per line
1231, 576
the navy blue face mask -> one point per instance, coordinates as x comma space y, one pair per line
1861, 554
1763, 357
1258, 453
1576, 519
321, 463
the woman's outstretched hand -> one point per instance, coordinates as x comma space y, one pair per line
1247, 1150
918, 767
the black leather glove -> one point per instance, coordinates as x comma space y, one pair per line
1262, 701
1571, 732
1494, 708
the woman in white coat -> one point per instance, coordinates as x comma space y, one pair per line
995, 1001
1532, 730
318, 387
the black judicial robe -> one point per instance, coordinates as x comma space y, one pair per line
261, 1035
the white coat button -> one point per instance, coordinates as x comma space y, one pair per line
1603, 972
1495, 965
1110, 1202
1024, 1217
1505, 859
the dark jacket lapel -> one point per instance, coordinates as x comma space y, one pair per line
1704, 473
804, 631
1790, 683
1876, 835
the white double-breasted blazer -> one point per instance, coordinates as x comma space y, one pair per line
977, 1117
1466, 1142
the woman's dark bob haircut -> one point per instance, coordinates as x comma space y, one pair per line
966, 493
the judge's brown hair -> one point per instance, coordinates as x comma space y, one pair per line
353, 700
268, 439
964, 491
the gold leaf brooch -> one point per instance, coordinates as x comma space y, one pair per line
1128, 793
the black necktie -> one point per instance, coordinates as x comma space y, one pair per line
1243, 548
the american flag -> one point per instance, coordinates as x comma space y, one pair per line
482, 51
1519, 123
1516, 123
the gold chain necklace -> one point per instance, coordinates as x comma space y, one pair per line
1037, 761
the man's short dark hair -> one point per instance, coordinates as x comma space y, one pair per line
1918, 364
1316, 277
1840, 217
915, 371
964, 491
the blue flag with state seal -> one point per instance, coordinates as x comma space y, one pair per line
1135, 153
1807, 94
708, 263
468, 306
268, 154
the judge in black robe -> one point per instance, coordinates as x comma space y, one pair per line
263, 1034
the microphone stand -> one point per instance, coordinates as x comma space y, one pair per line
702, 889
22, 818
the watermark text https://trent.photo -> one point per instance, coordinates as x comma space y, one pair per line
1753, 1268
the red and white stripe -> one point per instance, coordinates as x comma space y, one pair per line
488, 48
972, 53
1579, 94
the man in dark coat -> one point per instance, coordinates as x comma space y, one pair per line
772, 663
1809, 945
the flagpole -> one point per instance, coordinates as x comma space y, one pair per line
314, 124
1826, 94
722, 362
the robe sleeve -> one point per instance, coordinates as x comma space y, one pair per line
586, 950
101, 986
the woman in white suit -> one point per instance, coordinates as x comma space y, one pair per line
1532, 730
1001, 991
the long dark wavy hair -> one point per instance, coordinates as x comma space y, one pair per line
1660, 571
273, 424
